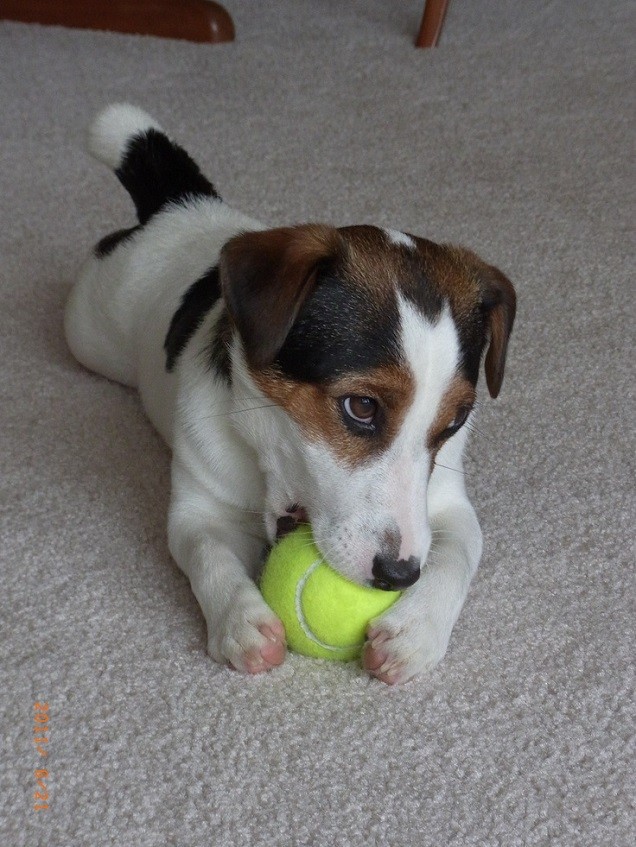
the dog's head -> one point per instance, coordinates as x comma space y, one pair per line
367, 344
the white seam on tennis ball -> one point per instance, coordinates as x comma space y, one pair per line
301, 619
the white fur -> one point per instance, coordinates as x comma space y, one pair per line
113, 128
400, 238
415, 632
237, 459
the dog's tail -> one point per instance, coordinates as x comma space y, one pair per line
152, 168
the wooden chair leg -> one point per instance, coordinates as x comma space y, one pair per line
432, 22
190, 20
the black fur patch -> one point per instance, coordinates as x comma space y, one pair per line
339, 331
109, 242
195, 305
155, 171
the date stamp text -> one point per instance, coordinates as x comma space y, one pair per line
41, 727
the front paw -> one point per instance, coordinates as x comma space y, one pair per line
248, 636
400, 646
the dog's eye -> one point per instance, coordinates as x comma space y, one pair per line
361, 410
456, 424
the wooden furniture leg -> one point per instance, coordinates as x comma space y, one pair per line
190, 20
432, 22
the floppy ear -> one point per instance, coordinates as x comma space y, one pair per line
266, 277
499, 302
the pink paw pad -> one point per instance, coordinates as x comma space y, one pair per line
377, 660
268, 655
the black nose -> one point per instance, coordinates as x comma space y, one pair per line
394, 574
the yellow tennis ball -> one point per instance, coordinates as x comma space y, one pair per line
325, 615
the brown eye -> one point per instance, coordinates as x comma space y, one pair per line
362, 410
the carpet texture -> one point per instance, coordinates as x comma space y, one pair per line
514, 137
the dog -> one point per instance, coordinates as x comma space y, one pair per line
302, 373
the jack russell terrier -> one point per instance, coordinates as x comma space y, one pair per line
303, 373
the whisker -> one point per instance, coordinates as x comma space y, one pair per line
309, 545
251, 400
254, 408
474, 428
448, 468
240, 411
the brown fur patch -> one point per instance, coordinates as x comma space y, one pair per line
372, 262
316, 409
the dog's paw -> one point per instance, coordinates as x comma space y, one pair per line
249, 637
399, 648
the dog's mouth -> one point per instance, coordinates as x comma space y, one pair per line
288, 522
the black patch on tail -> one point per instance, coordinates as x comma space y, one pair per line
155, 171
195, 305
109, 242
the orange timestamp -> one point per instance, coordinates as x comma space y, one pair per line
41, 728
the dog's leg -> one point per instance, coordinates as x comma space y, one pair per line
219, 548
412, 637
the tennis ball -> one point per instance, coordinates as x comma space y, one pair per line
325, 615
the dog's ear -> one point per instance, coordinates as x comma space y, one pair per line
266, 276
499, 303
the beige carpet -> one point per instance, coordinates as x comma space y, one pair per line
514, 137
